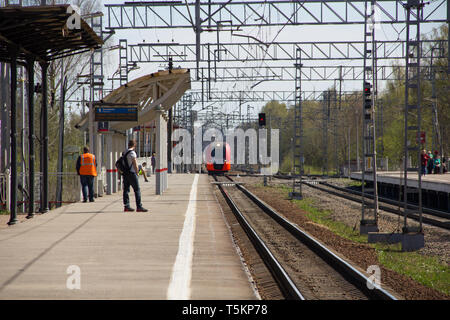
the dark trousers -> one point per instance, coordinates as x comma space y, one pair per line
131, 180
87, 184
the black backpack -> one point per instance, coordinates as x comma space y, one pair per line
122, 164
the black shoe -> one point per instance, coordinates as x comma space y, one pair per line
128, 209
84, 200
140, 209
91, 200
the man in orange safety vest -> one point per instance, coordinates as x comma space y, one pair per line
87, 170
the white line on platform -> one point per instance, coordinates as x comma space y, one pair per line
180, 280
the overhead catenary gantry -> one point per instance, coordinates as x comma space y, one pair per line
264, 96
239, 14
255, 51
234, 16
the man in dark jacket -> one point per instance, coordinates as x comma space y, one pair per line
130, 179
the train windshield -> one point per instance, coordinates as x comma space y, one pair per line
224, 152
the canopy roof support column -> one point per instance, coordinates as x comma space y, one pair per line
169, 141
44, 141
109, 161
13, 186
30, 69
161, 153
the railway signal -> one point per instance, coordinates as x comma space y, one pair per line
262, 119
367, 87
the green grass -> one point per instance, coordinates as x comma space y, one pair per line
352, 183
427, 270
323, 217
307, 169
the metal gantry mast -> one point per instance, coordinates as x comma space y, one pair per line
413, 119
123, 62
436, 135
298, 131
380, 133
325, 121
369, 208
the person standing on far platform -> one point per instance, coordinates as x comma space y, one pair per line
131, 179
437, 164
87, 170
423, 162
430, 163
153, 162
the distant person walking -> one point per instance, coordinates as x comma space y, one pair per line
131, 179
153, 162
87, 170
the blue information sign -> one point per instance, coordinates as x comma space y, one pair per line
116, 114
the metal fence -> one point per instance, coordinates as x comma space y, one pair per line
71, 189
4, 194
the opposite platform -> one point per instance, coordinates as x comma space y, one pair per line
182, 243
434, 182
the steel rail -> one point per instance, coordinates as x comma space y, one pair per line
436, 223
349, 272
285, 283
430, 211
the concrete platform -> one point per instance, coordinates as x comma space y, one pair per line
127, 255
435, 188
435, 182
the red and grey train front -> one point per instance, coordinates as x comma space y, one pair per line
218, 157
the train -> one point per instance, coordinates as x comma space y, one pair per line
220, 164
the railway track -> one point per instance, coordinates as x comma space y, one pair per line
432, 217
391, 206
302, 267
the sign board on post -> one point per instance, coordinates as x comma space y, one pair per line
421, 137
116, 114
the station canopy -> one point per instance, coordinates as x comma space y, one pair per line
149, 93
43, 32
